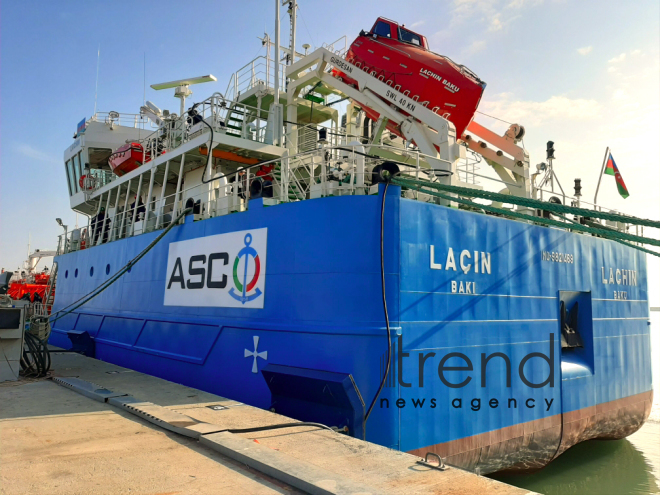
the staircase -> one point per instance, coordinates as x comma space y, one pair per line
294, 192
234, 122
49, 298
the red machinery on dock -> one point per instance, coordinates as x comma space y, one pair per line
29, 289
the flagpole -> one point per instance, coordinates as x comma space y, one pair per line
607, 152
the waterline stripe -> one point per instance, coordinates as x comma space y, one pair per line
475, 321
624, 318
483, 295
621, 300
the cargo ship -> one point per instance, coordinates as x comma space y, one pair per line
256, 245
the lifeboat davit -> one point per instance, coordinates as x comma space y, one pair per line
402, 59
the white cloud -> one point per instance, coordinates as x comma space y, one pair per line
585, 51
469, 10
417, 24
617, 59
518, 4
635, 53
475, 47
35, 154
536, 113
620, 95
494, 15
495, 23
612, 70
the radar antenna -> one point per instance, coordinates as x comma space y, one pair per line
183, 87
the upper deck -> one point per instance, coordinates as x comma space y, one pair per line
276, 147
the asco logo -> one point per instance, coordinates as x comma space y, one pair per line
246, 287
200, 271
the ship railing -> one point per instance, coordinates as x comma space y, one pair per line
135, 120
96, 179
466, 172
467, 169
100, 178
338, 47
321, 172
293, 179
569, 200
259, 71
224, 116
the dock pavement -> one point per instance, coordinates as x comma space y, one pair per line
97, 428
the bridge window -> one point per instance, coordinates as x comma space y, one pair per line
76, 171
98, 157
383, 29
80, 164
70, 178
410, 37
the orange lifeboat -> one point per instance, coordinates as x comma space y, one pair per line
126, 158
402, 59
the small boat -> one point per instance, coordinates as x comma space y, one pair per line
402, 59
126, 158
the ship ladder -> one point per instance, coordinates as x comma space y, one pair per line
235, 122
294, 192
50, 292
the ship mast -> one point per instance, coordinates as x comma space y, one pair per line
293, 6
290, 58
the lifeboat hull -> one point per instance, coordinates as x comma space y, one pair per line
448, 89
126, 158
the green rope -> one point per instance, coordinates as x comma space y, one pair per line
609, 234
531, 203
639, 248
591, 224
95, 292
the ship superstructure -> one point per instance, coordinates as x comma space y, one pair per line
284, 241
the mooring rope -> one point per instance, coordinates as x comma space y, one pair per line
95, 292
529, 202
434, 188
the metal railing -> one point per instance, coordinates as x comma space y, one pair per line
135, 120
321, 172
338, 47
341, 170
224, 116
102, 177
260, 70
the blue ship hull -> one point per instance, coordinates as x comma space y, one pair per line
472, 292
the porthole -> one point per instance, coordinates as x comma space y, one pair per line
107, 269
75, 274
66, 274
91, 271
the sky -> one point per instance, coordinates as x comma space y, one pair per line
584, 74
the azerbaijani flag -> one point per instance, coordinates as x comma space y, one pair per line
611, 169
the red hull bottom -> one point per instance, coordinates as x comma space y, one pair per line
533, 445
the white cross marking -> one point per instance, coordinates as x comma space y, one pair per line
254, 354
